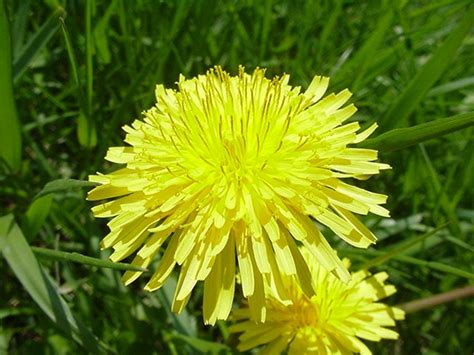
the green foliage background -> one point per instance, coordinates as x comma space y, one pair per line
82, 69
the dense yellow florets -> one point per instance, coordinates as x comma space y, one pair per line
331, 322
230, 168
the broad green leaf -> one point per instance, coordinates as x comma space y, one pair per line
10, 127
400, 138
63, 185
400, 249
36, 216
82, 259
40, 286
398, 113
36, 43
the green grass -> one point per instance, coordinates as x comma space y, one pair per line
82, 69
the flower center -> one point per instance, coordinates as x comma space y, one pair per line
306, 313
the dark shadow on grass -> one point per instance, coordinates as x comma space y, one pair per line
66, 322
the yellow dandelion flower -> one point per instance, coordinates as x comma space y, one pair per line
235, 167
331, 322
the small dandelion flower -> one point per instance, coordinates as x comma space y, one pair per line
236, 167
331, 322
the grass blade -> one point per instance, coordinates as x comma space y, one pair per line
397, 115
36, 43
36, 216
365, 56
437, 266
19, 25
401, 138
71, 55
101, 36
63, 185
396, 251
414, 261
460, 243
86, 129
83, 259
328, 29
183, 322
135, 83
203, 346
267, 14
40, 286
452, 86
89, 52
438, 192
86, 132
10, 128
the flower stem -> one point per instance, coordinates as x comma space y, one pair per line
435, 300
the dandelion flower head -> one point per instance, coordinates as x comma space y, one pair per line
331, 322
228, 170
